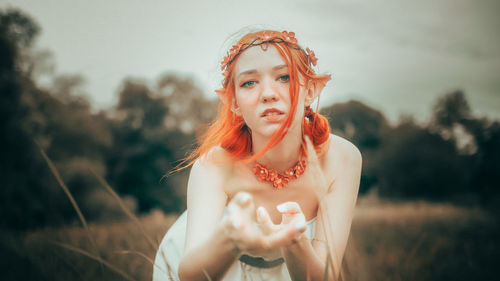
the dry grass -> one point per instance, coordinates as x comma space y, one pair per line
422, 241
389, 241
121, 244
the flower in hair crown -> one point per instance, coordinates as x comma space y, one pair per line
312, 57
266, 36
290, 37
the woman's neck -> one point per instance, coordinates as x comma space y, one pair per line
283, 155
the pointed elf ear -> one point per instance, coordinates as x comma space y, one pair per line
235, 108
315, 87
225, 100
220, 92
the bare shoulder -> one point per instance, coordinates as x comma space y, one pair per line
343, 159
214, 160
343, 150
208, 172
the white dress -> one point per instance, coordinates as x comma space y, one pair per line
270, 266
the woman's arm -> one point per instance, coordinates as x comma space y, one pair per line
307, 260
207, 248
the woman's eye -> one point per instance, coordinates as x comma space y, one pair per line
284, 78
248, 84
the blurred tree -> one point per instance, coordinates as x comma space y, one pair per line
152, 131
21, 31
357, 122
476, 138
450, 113
69, 88
451, 108
26, 185
60, 121
39, 64
486, 181
134, 148
139, 108
15, 146
18, 29
365, 127
137, 144
415, 163
188, 108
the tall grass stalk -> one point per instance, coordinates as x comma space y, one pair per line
142, 255
97, 258
413, 252
206, 274
323, 188
69, 264
169, 269
325, 275
56, 174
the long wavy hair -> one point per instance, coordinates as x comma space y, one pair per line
229, 130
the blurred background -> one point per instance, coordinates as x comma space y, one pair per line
116, 93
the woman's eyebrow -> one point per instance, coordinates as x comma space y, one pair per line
252, 71
278, 67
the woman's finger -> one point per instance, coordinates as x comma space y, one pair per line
291, 213
289, 208
236, 221
265, 221
232, 208
283, 237
243, 203
243, 199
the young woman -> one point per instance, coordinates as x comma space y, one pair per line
271, 192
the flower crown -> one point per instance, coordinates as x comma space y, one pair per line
265, 37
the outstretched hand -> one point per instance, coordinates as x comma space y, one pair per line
291, 216
257, 233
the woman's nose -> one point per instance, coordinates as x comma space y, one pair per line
269, 92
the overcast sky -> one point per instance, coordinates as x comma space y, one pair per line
398, 56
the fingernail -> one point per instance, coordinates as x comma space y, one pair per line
282, 208
300, 226
245, 197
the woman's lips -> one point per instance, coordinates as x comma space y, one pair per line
273, 115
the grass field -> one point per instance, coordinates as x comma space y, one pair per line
389, 241
422, 241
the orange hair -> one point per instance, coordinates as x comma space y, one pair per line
229, 130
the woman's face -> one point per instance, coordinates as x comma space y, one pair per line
262, 96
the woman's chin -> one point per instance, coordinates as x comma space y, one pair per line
267, 132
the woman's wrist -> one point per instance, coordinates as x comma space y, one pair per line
225, 230
297, 243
